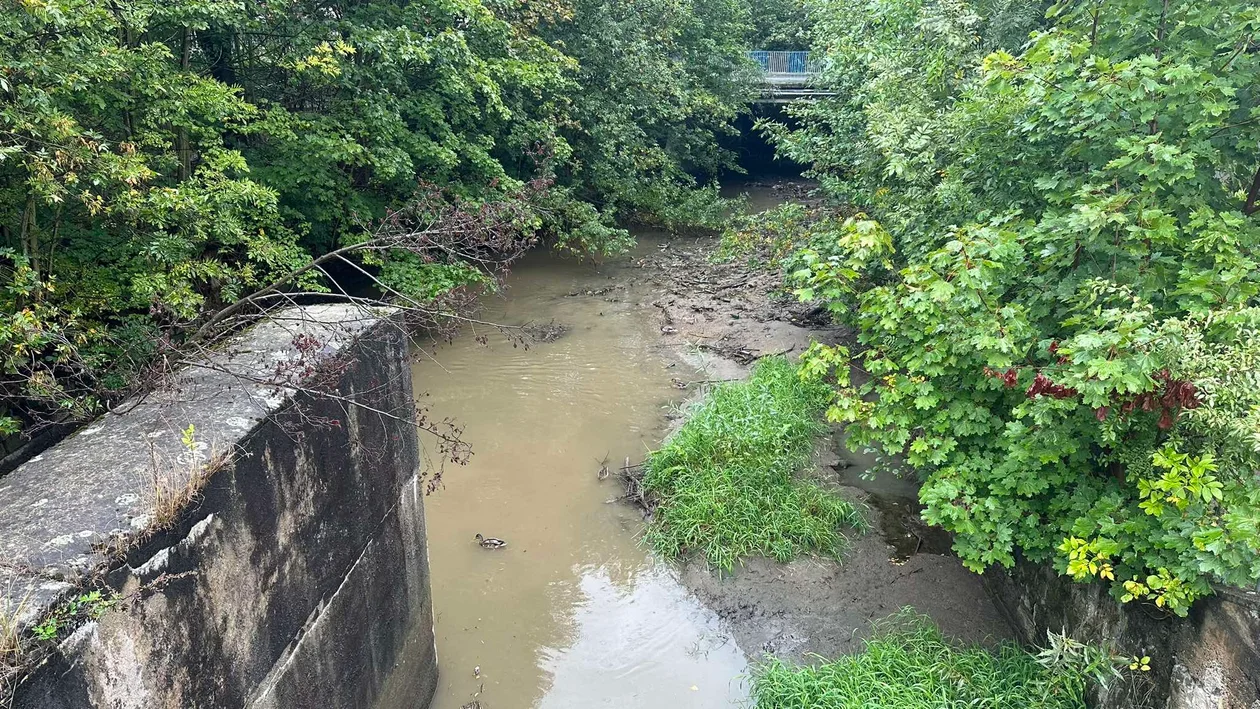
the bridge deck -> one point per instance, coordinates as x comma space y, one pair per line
787, 75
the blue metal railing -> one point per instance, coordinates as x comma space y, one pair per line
788, 76
783, 62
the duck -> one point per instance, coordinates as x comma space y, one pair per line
490, 542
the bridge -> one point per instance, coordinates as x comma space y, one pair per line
787, 76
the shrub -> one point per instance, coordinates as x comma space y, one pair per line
1056, 299
908, 664
727, 479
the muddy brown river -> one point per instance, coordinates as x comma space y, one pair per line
573, 612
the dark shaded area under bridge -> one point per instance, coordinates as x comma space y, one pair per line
756, 156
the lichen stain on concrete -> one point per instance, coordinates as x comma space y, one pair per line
239, 422
122, 683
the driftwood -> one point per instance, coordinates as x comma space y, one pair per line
631, 476
594, 291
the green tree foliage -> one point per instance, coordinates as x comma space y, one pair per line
1053, 276
108, 222
159, 160
361, 99
781, 25
660, 81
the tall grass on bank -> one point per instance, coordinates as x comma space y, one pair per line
908, 664
727, 480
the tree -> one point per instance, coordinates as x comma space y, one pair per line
781, 25
107, 214
660, 81
160, 161
1052, 279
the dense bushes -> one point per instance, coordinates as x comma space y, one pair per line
660, 81
1048, 252
160, 159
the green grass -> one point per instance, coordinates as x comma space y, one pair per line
727, 480
909, 665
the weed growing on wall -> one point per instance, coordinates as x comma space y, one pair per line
908, 664
85, 606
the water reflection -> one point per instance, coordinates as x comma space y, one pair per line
647, 644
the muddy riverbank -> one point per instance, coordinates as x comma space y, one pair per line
721, 316
575, 612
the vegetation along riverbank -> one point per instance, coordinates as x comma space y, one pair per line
1010, 315
163, 162
908, 664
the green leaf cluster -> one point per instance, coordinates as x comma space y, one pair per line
661, 81
78, 609
159, 160
1056, 297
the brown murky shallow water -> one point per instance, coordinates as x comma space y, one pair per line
574, 612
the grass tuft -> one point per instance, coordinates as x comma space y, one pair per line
908, 664
726, 481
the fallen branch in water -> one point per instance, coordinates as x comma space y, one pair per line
631, 477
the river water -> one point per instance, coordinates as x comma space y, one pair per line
574, 613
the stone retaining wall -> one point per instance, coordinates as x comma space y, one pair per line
297, 576
1209, 660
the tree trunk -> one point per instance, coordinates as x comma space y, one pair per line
1253, 195
218, 47
30, 234
182, 145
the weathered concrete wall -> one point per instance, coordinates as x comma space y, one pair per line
299, 576
1209, 660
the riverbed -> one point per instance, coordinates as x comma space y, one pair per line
574, 612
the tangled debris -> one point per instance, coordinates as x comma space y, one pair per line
631, 478
545, 332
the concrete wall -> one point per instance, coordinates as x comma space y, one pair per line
1209, 660
299, 576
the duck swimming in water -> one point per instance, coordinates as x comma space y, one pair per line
490, 542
